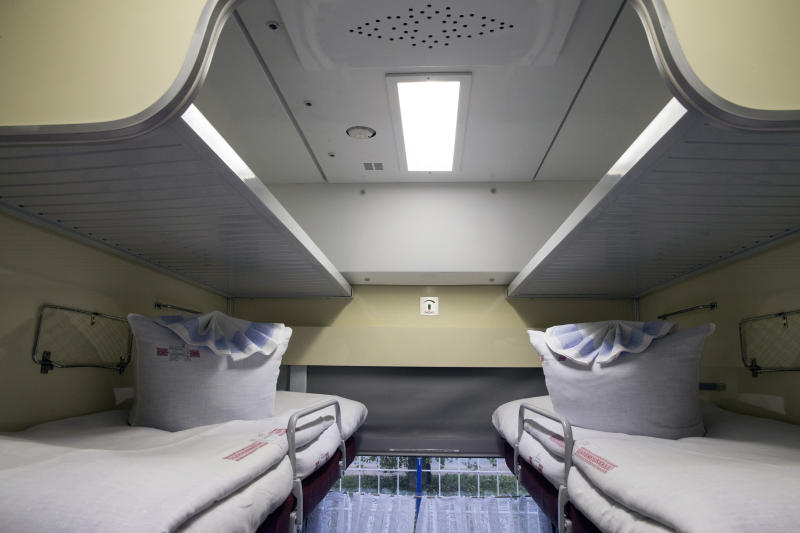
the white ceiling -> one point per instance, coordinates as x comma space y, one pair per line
565, 115
515, 110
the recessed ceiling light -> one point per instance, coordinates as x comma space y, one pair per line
429, 114
361, 132
662, 123
206, 131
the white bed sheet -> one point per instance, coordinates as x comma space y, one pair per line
744, 476
243, 510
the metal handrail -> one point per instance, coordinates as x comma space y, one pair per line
161, 305
296, 517
710, 306
564, 523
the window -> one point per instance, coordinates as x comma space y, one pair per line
440, 476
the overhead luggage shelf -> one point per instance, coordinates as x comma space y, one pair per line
165, 199
695, 195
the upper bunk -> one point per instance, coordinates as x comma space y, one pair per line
168, 200
686, 196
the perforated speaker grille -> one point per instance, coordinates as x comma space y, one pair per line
430, 26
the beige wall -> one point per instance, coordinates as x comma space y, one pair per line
760, 284
381, 325
86, 61
37, 267
745, 51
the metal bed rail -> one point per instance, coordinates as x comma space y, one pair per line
296, 517
564, 524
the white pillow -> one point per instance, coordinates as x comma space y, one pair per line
653, 393
179, 386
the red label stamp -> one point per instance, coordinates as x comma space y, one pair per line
162, 352
594, 460
194, 353
240, 454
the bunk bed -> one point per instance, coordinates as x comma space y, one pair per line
591, 480
167, 200
687, 195
97, 472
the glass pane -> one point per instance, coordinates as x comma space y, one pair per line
508, 486
408, 482
488, 486
388, 482
369, 483
350, 483
489, 464
469, 485
450, 485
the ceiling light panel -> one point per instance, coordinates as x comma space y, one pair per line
429, 115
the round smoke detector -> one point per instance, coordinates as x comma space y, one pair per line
361, 132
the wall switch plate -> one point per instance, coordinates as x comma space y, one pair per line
429, 305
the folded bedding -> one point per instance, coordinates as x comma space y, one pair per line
311, 456
696, 484
98, 473
542, 443
744, 478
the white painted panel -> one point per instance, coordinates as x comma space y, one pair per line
622, 94
238, 99
421, 233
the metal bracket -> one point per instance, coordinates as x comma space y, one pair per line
47, 364
754, 369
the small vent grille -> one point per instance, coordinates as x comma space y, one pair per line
431, 26
373, 166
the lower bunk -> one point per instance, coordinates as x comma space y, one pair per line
97, 473
315, 487
743, 475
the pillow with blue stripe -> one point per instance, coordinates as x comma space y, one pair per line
189, 375
654, 392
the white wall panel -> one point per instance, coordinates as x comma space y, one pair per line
431, 233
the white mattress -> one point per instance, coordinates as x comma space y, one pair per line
542, 444
242, 511
743, 476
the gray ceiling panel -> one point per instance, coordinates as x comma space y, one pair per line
701, 196
166, 200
